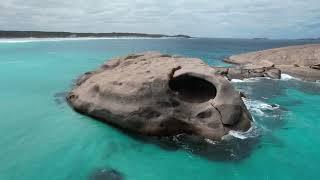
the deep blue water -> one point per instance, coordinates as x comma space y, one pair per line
42, 138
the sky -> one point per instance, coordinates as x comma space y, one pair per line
200, 18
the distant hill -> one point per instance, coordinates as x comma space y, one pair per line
43, 34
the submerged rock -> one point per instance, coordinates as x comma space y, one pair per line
299, 61
161, 95
60, 97
106, 174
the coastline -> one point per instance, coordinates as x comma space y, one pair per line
35, 39
300, 61
51, 34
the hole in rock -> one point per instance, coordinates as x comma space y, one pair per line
193, 89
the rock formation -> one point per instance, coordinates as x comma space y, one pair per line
299, 61
248, 72
161, 95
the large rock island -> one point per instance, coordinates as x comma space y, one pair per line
301, 61
161, 95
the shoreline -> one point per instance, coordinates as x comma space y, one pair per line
299, 61
35, 39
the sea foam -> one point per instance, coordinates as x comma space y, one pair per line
255, 79
257, 107
283, 77
287, 77
237, 80
253, 132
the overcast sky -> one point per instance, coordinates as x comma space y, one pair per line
204, 18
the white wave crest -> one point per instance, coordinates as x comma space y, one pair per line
253, 132
210, 141
255, 79
237, 80
237, 134
257, 107
287, 77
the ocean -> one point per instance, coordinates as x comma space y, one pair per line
41, 137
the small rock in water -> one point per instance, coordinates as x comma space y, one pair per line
59, 98
106, 174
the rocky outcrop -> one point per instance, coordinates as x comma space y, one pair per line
161, 95
246, 72
299, 61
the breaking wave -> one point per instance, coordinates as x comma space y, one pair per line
253, 132
258, 109
237, 80
284, 77
255, 79
287, 77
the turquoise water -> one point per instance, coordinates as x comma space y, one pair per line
42, 138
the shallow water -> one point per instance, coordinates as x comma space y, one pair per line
42, 138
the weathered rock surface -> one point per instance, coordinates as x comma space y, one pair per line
247, 72
161, 95
299, 61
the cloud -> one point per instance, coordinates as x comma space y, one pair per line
207, 18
